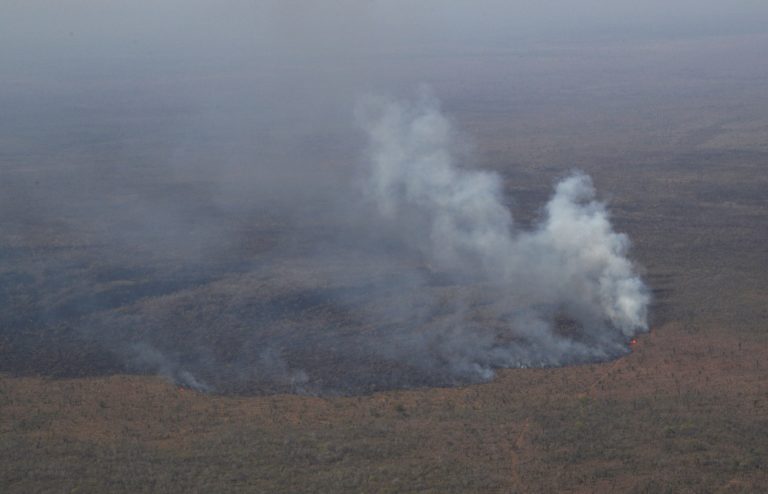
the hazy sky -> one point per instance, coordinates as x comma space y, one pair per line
45, 28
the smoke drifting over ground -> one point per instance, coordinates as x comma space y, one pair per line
412, 273
438, 288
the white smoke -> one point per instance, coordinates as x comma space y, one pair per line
570, 267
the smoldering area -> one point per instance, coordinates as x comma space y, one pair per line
403, 269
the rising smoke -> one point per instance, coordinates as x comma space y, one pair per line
562, 292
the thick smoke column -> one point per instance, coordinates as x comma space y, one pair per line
565, 288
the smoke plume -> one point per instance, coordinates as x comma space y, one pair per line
561, 292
